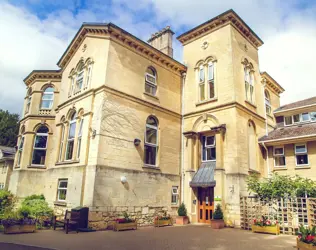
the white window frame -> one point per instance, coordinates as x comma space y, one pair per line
301, 153
89, 76
310, 114
42, 149
267, 99
61, 144
279, 155
205, 146
299, 119
309, 117
28, 104
152, 84
79, 77
45, 99
291, 120
79, 138
152, 144
62, 188
175, 194
1, 186
20, 150
71, 139
211, 80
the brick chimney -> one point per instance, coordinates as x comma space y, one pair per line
162, 41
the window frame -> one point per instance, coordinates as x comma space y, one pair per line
20, 150
79, 77
152, 145
61, 143
267, 99
45, 99
61, 188
301, 117
301, 153
175, 195
278, 156
205, 146
211, 80
150, 83
79, 138
73, 121
41, 149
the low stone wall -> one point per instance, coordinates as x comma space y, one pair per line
101, 218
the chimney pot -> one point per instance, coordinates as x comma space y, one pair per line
162, 40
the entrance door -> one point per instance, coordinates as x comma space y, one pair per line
206, 204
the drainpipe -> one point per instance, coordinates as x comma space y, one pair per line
182, 139
264, 105
267, 159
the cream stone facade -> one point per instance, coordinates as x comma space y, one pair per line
124, 125
6, 166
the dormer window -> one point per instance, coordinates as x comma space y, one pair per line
305, 117
297, 118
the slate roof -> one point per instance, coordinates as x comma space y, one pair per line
7, 150
293, 105
204, 177
290, 131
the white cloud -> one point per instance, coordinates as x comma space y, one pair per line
28, 42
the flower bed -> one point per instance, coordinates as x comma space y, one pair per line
25, 225
263, 225
125, 224
306, 239
161, 221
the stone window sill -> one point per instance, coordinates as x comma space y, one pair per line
174, 206
279, 168
66, 162
152, 96
252, 171
37, 166
151, 167
60, 203
251, 104
302, 167
206, 101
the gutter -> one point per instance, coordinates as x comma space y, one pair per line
182, 138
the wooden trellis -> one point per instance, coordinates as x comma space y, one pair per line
289, 212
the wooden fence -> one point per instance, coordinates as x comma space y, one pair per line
289, 212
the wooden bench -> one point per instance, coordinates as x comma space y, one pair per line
70, 221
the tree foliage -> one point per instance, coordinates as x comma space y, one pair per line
9, 128
280, 186
218, 213
182, 210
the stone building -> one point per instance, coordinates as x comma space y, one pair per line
291, 146
122, 125
6, 165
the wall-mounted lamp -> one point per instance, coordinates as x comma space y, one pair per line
123, 179
94, 132
137, 142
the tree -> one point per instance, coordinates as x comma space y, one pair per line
9, 128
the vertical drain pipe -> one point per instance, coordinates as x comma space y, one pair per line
182, 139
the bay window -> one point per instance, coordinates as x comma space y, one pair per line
151, 141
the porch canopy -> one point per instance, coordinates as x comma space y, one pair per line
204, 177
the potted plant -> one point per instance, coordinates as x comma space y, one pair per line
264, 225
18, 222
306, 238
125, 223
164, 220
217, 222
182, 218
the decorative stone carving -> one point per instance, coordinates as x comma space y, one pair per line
204, 45
84, 47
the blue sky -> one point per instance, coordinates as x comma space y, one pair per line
35, 33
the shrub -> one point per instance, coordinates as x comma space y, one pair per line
34, 197
218, 213
6, 201
24, 212
182, 211
38, 208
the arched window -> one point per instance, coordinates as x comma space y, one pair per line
61, 144
79, 138
151, 141
20, 150
71, 136
267, 102
249, 82
40, 146
28, 100
151, 81
47, 98
201, 83
252, 146
79, 78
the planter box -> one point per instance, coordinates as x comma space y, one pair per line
304, 246
217, 224
182, 220
125, 226
161, 223
267, 229
17, 229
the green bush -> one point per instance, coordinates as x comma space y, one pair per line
280, 186
34, 197
7, 201
24, 211
38, 207
182, 211
218, 213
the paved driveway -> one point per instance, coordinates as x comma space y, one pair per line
177, 237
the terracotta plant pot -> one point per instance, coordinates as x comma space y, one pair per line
182, 220
217, 224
